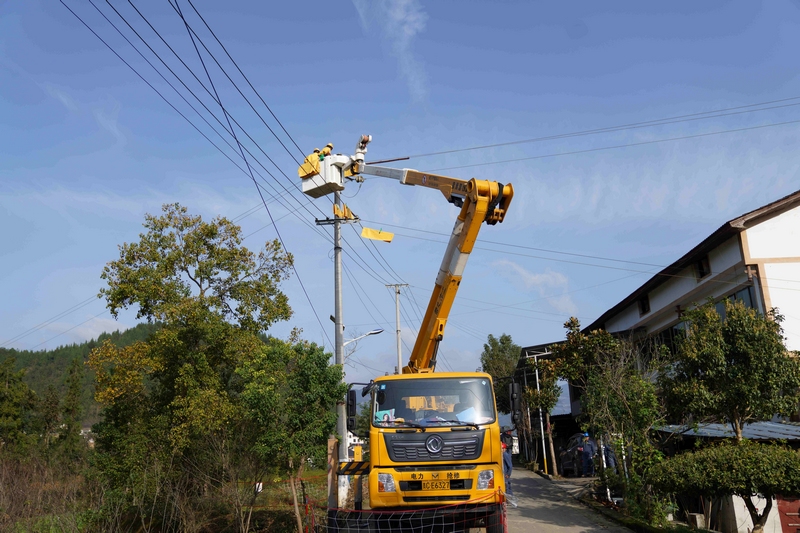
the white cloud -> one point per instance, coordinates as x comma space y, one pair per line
547, 284
399, 22
108, 121
61, 96
62, 333
98, 325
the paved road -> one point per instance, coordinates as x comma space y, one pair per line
549, 507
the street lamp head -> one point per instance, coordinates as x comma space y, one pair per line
373, 332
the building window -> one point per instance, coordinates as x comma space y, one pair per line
744, 295
702, 267
644, 305
671, 337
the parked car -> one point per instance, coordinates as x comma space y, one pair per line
570, 457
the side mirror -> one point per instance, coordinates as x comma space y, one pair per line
515, 398
352, 410
367, 388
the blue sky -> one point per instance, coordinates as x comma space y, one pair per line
86, 149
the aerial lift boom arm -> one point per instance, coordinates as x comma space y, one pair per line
480, 201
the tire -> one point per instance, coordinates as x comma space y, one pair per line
495, 522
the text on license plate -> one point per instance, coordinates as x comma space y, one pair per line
435, 485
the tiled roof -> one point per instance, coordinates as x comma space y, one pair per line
726, 231
753, 431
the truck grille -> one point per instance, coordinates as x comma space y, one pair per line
406, 447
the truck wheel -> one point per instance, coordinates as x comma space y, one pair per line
496, 521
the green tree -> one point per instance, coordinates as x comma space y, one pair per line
618, 398
48, 416
290, 396
17, 402
173, 413
499, 360
183, 268
46, 368
364, 420
742, 468
733, 371
71, 441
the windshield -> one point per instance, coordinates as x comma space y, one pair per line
433, 402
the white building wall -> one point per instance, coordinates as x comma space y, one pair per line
727, 272
734, 517
776, 237
783, 284
623, 321
774, 246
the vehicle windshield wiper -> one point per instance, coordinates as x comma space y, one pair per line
407, 423
460, 423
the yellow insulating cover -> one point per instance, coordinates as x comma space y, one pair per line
377, 235
344, 212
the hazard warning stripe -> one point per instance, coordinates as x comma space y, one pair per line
353, 468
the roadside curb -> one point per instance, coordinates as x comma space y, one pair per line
539, 472
625, 521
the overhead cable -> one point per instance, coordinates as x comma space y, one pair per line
49, 321
642, 143
277, 231
703, 115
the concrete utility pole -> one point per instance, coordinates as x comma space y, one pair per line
343, 485
396, 287
341, 422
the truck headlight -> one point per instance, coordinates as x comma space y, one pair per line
486, 479
385, 483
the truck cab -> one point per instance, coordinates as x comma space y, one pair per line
435, 443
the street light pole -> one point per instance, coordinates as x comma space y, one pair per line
397, 321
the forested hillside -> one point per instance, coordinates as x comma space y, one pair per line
47, 368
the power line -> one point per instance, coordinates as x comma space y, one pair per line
500, 243
234, 120
356, 288
245, 77
271, 131
277, 195
232, 133
216, 98
574, 152
277, 231
49, 321
70, 329
181, 114
608, 267
633, 125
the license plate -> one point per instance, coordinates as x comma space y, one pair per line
435, 485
